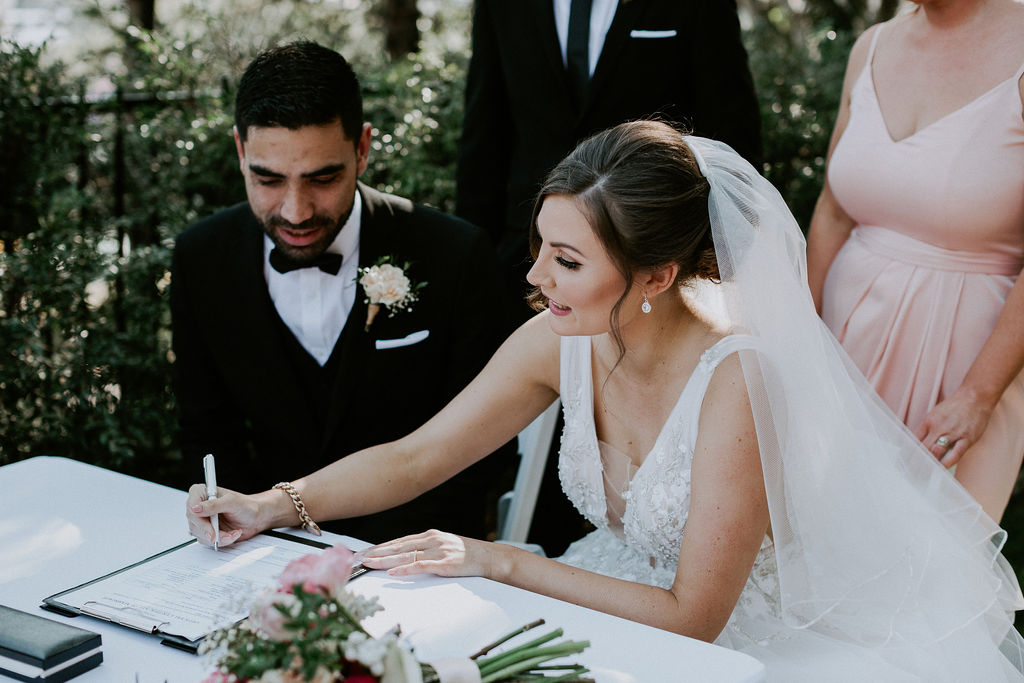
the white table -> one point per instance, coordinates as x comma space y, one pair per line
63, 522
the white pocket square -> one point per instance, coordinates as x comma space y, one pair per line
409, 340
639, 33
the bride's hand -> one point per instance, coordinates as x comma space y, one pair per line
961, 419
434, 552
236, 515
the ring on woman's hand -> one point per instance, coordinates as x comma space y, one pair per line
942, 442
414, 555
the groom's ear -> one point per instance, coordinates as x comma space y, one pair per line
657, 280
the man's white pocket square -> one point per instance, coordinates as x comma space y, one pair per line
639, 33
409, 340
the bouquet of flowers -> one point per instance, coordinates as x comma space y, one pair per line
309, 630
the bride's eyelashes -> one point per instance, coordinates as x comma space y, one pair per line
566, 263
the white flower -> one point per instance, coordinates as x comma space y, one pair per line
369, 652
268, 620
387, 285
400, 666
359, 606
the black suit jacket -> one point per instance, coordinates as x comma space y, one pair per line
520, 121
241, 399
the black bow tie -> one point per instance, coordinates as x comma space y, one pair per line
327, 262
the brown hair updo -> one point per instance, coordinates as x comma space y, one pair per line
640, 189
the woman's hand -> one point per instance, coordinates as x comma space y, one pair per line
953, 426
434, 552
237, 515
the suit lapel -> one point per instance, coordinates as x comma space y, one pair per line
355, 344
547, 37
618, 34
256, 324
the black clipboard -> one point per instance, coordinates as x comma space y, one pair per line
151, 626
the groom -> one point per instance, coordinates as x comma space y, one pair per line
282, 364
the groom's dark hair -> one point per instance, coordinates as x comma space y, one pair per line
299, 84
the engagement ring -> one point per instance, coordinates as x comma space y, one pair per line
942, 441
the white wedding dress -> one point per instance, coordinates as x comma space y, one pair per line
640, 514
880, 567
641, 543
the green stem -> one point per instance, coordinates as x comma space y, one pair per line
530, 659
522, 629
515, 653
351, 619
512, 669
572, 677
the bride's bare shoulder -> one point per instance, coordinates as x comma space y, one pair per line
537, 331
535, 347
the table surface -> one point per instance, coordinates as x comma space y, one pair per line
64, 522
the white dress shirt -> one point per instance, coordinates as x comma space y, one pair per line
601, 14
314, 304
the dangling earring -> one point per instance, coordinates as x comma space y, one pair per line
646, 305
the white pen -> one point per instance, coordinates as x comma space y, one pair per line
210, 470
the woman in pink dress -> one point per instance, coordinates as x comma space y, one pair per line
917, 240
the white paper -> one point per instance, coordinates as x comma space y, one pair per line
191, 591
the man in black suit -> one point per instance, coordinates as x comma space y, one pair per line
545, 74
281, 368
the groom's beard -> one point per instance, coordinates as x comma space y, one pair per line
328, 229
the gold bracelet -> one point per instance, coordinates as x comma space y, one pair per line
307, 522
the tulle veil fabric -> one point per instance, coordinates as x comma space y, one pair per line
878, 547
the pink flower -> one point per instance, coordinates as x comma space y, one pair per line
218, 677
300, 572
327, 571
268, 619
333, 570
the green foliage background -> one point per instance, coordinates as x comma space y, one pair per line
86, 239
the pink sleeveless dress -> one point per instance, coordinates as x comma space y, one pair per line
939, 241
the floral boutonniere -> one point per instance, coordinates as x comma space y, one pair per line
387, 285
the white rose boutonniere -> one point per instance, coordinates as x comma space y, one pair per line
387, 285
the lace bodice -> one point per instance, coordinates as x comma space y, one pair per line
657, 499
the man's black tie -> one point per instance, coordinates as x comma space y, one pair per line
327, 262
576, 51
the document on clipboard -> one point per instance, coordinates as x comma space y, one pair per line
187, 591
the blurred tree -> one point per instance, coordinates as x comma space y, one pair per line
840, 15
399, 20
142, 13
798, 59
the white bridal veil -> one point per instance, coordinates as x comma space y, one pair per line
878, 546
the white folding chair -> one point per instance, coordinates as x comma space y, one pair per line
515, 508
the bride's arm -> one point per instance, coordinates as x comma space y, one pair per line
515, 386
727, 523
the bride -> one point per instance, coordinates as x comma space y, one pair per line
747, 486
